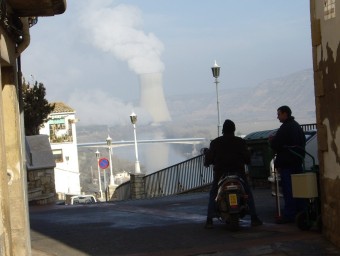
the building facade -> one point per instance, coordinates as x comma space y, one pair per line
40, 166
16, 18
61, 130
325, 22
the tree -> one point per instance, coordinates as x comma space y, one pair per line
36, 107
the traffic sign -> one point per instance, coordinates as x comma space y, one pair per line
104, 163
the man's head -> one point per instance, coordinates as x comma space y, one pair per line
228, 127
283, 113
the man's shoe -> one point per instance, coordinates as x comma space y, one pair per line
255, 221
209, 224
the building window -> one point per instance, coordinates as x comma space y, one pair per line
59, 131
58, 155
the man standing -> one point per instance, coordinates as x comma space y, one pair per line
289, 143
228, 154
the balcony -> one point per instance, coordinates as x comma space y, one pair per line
36, 8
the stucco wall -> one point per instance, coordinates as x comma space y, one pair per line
325, 21
67, 180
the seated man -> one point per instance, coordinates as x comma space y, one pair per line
228, 153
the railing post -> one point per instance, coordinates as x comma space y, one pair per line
137, 186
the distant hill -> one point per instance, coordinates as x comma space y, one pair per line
252, 108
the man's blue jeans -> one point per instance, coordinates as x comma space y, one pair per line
291, 205
213, 193
212, 196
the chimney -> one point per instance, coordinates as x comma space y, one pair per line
152, 97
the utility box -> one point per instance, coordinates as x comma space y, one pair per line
304, 185
260, 152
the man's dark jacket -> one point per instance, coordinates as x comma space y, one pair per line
289, 137
227, 153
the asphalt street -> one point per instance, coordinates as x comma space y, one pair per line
171, 225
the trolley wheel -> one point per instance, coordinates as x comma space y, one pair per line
234, 221
302, 221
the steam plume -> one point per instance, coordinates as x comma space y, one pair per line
119, 32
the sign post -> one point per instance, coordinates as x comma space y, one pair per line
103, 164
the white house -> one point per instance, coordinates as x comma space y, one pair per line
121, 177
61, 130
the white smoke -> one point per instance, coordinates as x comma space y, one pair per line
96, 107
118, 30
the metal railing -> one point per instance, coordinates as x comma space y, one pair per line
172, 180
308, 127
178, 178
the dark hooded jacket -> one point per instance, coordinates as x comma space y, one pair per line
228, 154
289, 142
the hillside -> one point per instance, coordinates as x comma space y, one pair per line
251, 108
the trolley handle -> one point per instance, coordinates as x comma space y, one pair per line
290, 148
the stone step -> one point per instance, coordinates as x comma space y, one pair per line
43, 199
33, 193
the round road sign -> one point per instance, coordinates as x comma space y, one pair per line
104, 163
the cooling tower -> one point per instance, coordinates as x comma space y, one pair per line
152, 97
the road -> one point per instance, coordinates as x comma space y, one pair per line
165, 226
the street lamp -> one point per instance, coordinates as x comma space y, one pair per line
109, 143
99, 179
216, 73
133, 118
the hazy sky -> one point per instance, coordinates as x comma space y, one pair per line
90, 56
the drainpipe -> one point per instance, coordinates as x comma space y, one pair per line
23, 174
26, 38
19, 49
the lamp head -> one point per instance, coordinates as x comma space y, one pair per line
216, 70
133, 118
108, 140
97, 153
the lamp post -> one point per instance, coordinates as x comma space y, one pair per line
133, 118
99, 179
105, 184
109, 143
216, 73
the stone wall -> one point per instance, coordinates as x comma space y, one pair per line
43, 179
137, 186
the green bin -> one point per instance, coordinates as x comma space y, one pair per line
261, 154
